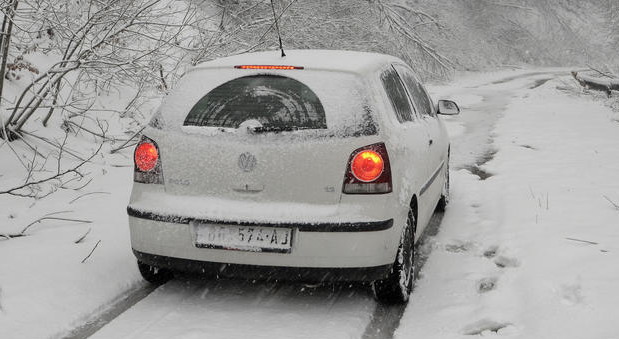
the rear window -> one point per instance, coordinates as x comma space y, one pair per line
267, 101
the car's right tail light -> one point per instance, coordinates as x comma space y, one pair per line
368, 171
147, 169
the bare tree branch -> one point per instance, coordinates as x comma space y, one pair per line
16, 190
91, 251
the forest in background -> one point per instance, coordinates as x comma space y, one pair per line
437, 37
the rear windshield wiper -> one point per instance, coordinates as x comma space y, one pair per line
275, 129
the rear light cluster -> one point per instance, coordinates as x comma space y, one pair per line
147, 167
368, 171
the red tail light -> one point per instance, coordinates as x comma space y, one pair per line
367, 166
147, 168
280, 67
368, 171
146, 156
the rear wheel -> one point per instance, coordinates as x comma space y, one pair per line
153, 274
396, 288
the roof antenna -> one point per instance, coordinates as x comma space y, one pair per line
281, 47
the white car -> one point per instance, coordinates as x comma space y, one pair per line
320, 165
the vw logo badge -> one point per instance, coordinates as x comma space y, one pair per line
247, 162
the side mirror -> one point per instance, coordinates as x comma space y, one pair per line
448, 107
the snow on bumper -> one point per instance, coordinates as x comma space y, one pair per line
318, 245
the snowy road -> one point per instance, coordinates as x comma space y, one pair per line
229, 309
190, 308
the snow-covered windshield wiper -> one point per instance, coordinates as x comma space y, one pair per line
274, 129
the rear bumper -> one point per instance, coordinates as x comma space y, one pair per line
371, 226
354, 251
305, 274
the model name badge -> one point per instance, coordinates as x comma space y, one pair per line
183, 182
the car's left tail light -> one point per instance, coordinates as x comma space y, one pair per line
147, 162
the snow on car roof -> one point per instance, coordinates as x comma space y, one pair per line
335, 60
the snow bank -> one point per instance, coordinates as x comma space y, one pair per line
46, 289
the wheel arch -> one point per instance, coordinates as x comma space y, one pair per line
414, 206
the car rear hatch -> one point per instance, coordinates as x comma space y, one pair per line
279, 136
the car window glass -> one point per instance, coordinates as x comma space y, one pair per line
273, 101
397, 95
422, 101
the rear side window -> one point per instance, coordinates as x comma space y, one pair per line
397, 95
418, 93
274, 101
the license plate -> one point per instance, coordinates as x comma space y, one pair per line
244, 238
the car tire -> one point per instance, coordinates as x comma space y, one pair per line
396, 288
153, 274
444, 200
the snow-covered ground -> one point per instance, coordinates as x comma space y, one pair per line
529, 252
45, 289
532, 250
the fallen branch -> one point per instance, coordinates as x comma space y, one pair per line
64, 185
91, 252
52, 218
584, 241
612, 202
598, 84
85, 194
604, 74
80, 239
15, 190
49, 216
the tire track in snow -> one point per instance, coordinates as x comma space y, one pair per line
97, 321
192, 308
386, 318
